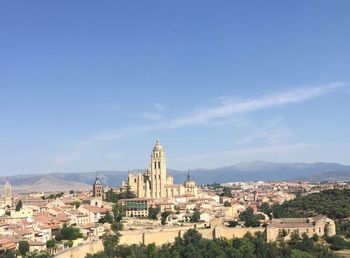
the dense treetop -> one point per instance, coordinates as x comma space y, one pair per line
193, 245
333, 203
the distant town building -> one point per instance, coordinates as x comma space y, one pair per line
282, 228
155, 183
137, 207
97, 188
8, 194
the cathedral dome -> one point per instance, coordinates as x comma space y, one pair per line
157, 147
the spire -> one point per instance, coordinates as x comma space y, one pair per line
97, 181
188, 175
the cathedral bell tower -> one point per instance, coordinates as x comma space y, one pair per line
158, 171
8, 194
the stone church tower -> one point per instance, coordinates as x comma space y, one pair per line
8, 194
97, 188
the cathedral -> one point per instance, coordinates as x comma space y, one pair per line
155, 183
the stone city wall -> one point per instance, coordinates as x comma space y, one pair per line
158, 237
82, 250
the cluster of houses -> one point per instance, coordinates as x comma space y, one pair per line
40, 219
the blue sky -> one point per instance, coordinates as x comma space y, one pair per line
88, 85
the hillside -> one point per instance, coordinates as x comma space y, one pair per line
329, 176
44, 183
332, 203
247, 171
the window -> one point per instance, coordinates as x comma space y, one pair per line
158, 164
134, 180
155, 164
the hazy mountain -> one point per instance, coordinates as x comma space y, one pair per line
265, 171
43, 183
247, 171
329, 176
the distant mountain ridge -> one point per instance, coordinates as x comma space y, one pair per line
245, 171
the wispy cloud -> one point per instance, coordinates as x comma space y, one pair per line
229, 108
226, 111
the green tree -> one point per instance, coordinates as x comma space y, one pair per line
70, 233
51, 244
9, 254
338, 243
69, 243
232, 223
23, 247
37, 254
153, 213
127, 193
295, 239
196, 215
110, 244
97, 255
152, 251
192, 236
106, 219
227, 204
116, 226
76, 204
118, 212
334, 203
315, 237
300, 254
265, 208
54, 196
226, 192
19, 205
193, 245
164, 217
343, 228
111, 196
249, 218
282, 234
